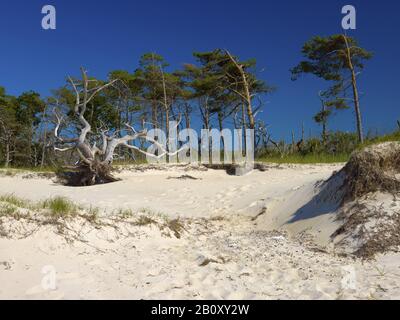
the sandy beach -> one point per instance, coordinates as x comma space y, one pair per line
256, 236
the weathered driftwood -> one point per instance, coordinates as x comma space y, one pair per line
95, 162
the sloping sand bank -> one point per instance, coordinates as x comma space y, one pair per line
176, 191
263, 235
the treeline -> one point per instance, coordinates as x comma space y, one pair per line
218, 90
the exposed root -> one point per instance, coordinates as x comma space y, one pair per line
369, 230
87, 175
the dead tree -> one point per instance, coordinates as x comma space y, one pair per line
95, 161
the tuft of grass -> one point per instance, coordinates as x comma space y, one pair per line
125, 213
8, 173
12, 171
92, 215
144, 221
176, 227
393, 137
60, 207
7, 210
58, 211
15, 201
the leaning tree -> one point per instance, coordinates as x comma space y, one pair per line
96, 150
338, 59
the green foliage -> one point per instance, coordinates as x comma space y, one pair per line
328, 58
60, 207
306, 159
153, 94
28, 105
19, 120
337, 147
395, 136
14, 200
218, 86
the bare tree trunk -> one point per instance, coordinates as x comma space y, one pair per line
7, 142
161, 122
205, 113
246, 95
244, 126
355, 93
324, 118
167, 125
167, 122
293, 142
220, 128
165, 103
44, 142
154, 115
8, 151
187, 116
324, 136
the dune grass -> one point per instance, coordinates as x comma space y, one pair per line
56, 206
14, 170
125, 213
7, 209
306, 159
14, 200
59, 212
393, 137
60, 207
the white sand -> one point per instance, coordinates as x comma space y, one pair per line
237, 257
215, 194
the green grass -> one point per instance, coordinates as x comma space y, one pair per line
144, 221
8, 172
27, 169
125, 213
306, 159
312, 158
381, 139
57, 211
15, 201
60, 207
7, 209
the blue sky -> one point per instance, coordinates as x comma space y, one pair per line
107, 35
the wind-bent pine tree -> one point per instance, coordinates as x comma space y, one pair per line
337, 59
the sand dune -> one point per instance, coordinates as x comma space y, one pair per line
264, 235
214, 193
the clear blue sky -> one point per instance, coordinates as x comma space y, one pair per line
107, 35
